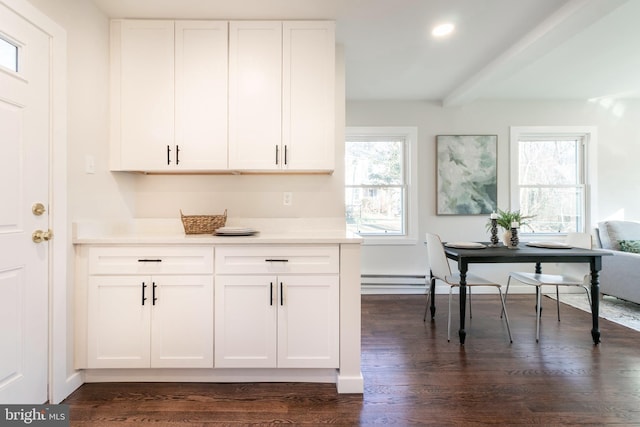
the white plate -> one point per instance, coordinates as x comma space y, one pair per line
465, 245
549, 245
235, 231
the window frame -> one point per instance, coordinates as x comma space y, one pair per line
410, 172
18, 67
588, 135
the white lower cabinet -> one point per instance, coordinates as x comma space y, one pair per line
274, 306
142, 322
159, 320
278, 320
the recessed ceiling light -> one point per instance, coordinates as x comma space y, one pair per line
442, 30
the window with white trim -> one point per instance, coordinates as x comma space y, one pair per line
8, 55
380, 195
550, 177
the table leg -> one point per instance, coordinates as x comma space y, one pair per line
432, 292
463, 303
595, 305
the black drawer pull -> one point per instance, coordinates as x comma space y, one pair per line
271, 293
153, 293
276, 260
149, 260
144, 286
281, 295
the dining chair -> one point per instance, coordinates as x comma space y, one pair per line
440, 270
571, 274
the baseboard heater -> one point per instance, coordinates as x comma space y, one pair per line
392, 283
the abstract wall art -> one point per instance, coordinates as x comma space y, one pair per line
467, 178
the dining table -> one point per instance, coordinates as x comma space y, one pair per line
533, 252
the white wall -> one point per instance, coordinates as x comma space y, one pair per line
107, 195
617, 172
100, 195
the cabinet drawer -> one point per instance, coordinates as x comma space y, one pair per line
277, 259
151, 260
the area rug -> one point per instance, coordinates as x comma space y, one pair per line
616, 310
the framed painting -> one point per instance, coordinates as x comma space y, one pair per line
467, 174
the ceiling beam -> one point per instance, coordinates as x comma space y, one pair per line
569, 20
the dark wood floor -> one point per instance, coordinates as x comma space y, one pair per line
413, 376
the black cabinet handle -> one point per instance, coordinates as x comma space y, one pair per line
271, 293
149, 260
153, 293
285, 154
276, 260
276, 154
144, 286
177, 154
168, 155
281, 295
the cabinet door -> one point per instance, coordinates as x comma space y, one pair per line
201, 94
142, 94
308, 102
308, 322
118, 321
182, 321
245, 321
255, 95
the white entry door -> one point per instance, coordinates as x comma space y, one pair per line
24, 183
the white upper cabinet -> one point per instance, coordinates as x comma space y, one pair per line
201, 94
169, 95
308, 94
142, 94
189, 96
282, 95
255, 95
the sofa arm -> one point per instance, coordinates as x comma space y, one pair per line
620, 276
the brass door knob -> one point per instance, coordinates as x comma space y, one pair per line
40, 236
38, 209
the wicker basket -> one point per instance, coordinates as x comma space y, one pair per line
202, 224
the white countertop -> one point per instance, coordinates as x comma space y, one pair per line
171, 231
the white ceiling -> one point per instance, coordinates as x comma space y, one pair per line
501, 49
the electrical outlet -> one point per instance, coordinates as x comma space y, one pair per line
89, 164
287, 198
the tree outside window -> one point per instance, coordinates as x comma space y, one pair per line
375, 185
549, 179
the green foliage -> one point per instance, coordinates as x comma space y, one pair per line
506, 218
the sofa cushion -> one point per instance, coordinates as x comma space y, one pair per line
630, 246
612, 232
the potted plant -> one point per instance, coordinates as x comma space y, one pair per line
506, 218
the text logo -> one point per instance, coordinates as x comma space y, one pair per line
34, 415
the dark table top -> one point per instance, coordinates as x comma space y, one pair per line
523, 253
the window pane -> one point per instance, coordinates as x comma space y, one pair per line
8, 55
555, 210
549, 162
374, 162
372, 210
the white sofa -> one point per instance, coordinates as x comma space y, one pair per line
620, 274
